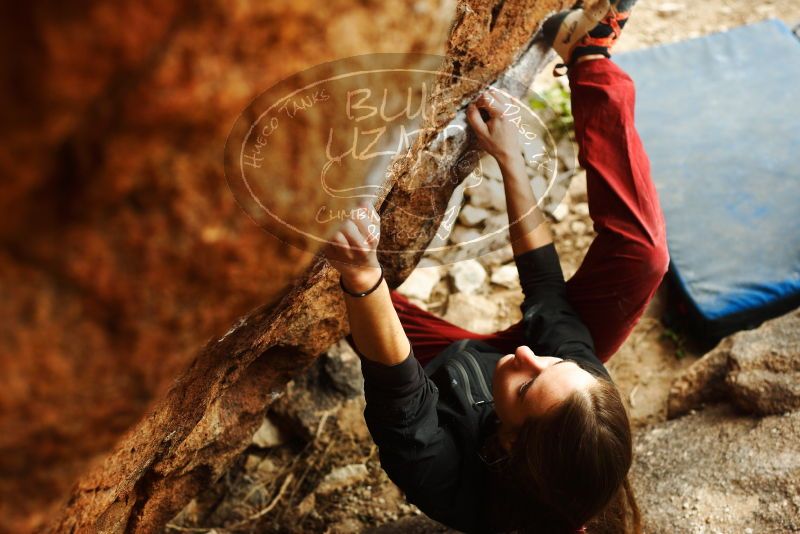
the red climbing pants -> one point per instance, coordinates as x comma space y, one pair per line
626, 261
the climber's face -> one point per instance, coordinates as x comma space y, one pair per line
525, 385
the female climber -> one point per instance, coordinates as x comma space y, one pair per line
524, 429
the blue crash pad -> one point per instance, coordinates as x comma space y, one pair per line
719, 117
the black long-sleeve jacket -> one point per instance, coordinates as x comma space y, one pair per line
429, 424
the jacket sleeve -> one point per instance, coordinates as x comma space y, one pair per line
552, 326
418, 455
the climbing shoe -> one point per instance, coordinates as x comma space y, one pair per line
584, 31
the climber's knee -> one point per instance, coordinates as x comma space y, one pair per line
655, 262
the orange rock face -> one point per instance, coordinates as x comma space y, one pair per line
124, 251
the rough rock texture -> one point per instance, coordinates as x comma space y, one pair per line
128, 262
122, 250
702, 382
308, 400
411, 525
716, 471
758, 370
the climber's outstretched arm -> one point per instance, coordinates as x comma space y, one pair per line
374, 325
498, 136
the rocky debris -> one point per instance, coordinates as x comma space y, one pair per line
539, 186
472, 216
488, 194
462, 234
764, 375
581, 208
501, 256
307, 505
468, 276
264, 468
472, 312
578, 227
558, 211
506, 275
350, 420
268, 435
701, 383
718, 471
667, 9
342, 477
491, 170
420, 283
579, 194
309, 400
343, 369
333, 483
758, 370
410, 525
497, 224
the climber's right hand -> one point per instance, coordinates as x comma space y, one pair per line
497, 135
353, 249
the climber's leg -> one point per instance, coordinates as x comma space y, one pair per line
628, 258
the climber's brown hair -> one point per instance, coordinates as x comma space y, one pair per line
568, 468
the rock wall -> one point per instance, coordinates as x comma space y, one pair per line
122, 250
122, 246
733, 466
716, 470
757, 370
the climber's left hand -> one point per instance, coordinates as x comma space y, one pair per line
353, 249
497, 135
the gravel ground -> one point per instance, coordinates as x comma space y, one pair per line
722, 472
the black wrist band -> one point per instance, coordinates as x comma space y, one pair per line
363, 293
